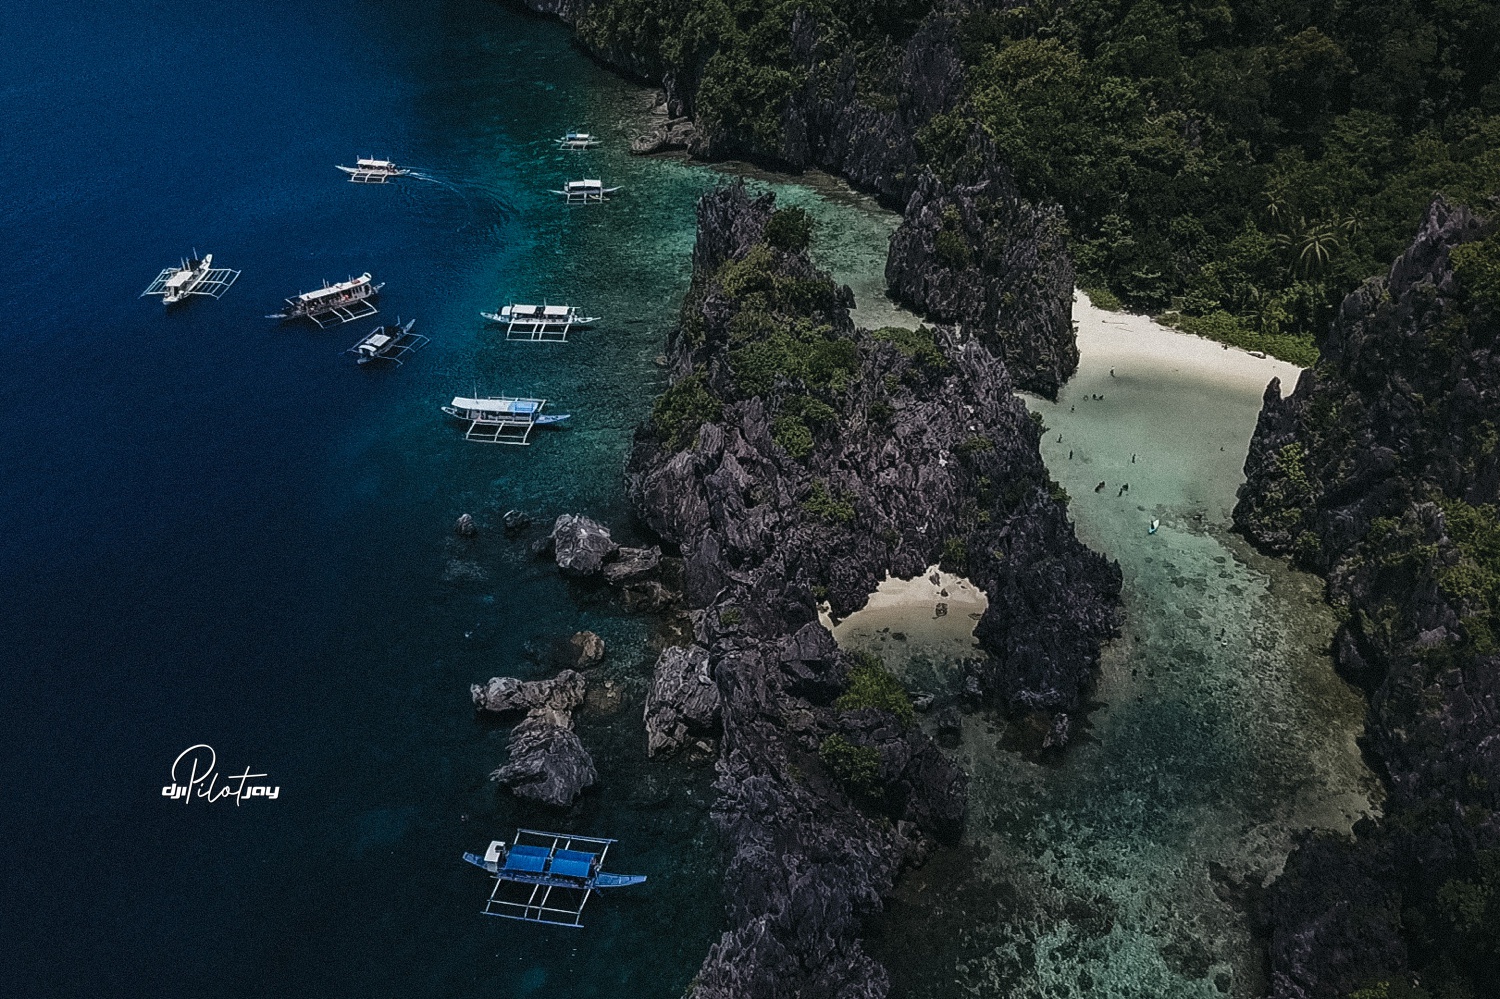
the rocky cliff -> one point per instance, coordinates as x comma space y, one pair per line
796, 460
1381, 471
970, 249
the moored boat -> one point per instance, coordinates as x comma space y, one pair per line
502, 419
547, 877
333, 304
585, 192
194, 276
389, 343
577, 140
539, 322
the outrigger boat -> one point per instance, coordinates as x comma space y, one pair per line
539, 322
194, 276
333, 304
577, 140
501, 419
585, 192
374, 171
547, 877
389, 343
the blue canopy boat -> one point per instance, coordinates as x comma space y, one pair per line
546, 877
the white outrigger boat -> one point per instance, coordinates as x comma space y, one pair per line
539, 322
577, 140
365, 171
333, 304
389, 343
585, 192
194, 276
501, 419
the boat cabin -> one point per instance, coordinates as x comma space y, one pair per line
333, 304
577, 140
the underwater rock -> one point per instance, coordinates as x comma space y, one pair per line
683, 700
580, 545
547, 764
584, 650
466, 528
673, 134
515, 522
648, 597
950, 726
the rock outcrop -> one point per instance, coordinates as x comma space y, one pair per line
980, 256
1381, 471
786, 483
683, 700
548, 763
579, 545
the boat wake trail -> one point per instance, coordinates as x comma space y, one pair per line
491, 202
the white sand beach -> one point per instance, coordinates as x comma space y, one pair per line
915, 616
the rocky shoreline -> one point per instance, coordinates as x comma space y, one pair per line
1380, 472
970, 249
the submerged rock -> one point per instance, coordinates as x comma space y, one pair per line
547, 764
515, 521
584, 650
683, 700
465, 527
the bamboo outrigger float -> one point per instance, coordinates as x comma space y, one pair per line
333, 304
547, 877
194, 276
551, 323
577, 140
367, 171
501, 419
389, 343
586, 192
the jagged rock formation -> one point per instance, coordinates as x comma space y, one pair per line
796, 458
547, 761
683, 700
980, 256
1379, 471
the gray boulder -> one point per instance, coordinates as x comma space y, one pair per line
551, 700
632, 565
580, 545
683, 700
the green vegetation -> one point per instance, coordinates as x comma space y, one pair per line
682, 409
1249, 161
834, 508
871, 685
856, 766
919, 345
793, 435
975, 445
1477, 266
790, 229
955, 556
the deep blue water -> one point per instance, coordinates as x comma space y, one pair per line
215, 529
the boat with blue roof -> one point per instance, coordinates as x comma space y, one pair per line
547, 877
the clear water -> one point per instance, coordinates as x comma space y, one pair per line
1219, 726
217, 529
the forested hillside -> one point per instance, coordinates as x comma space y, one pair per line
1244, 164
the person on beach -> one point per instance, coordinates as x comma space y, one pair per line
1070, 455
1132, 459
1099, 487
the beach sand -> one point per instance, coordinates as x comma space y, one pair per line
907, 617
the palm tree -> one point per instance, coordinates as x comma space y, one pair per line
1320, 242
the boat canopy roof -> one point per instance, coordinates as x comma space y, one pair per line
334, 289
585, 183
556, 310
521, 406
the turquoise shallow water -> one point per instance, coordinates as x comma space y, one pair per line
215, 529
1218, 726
